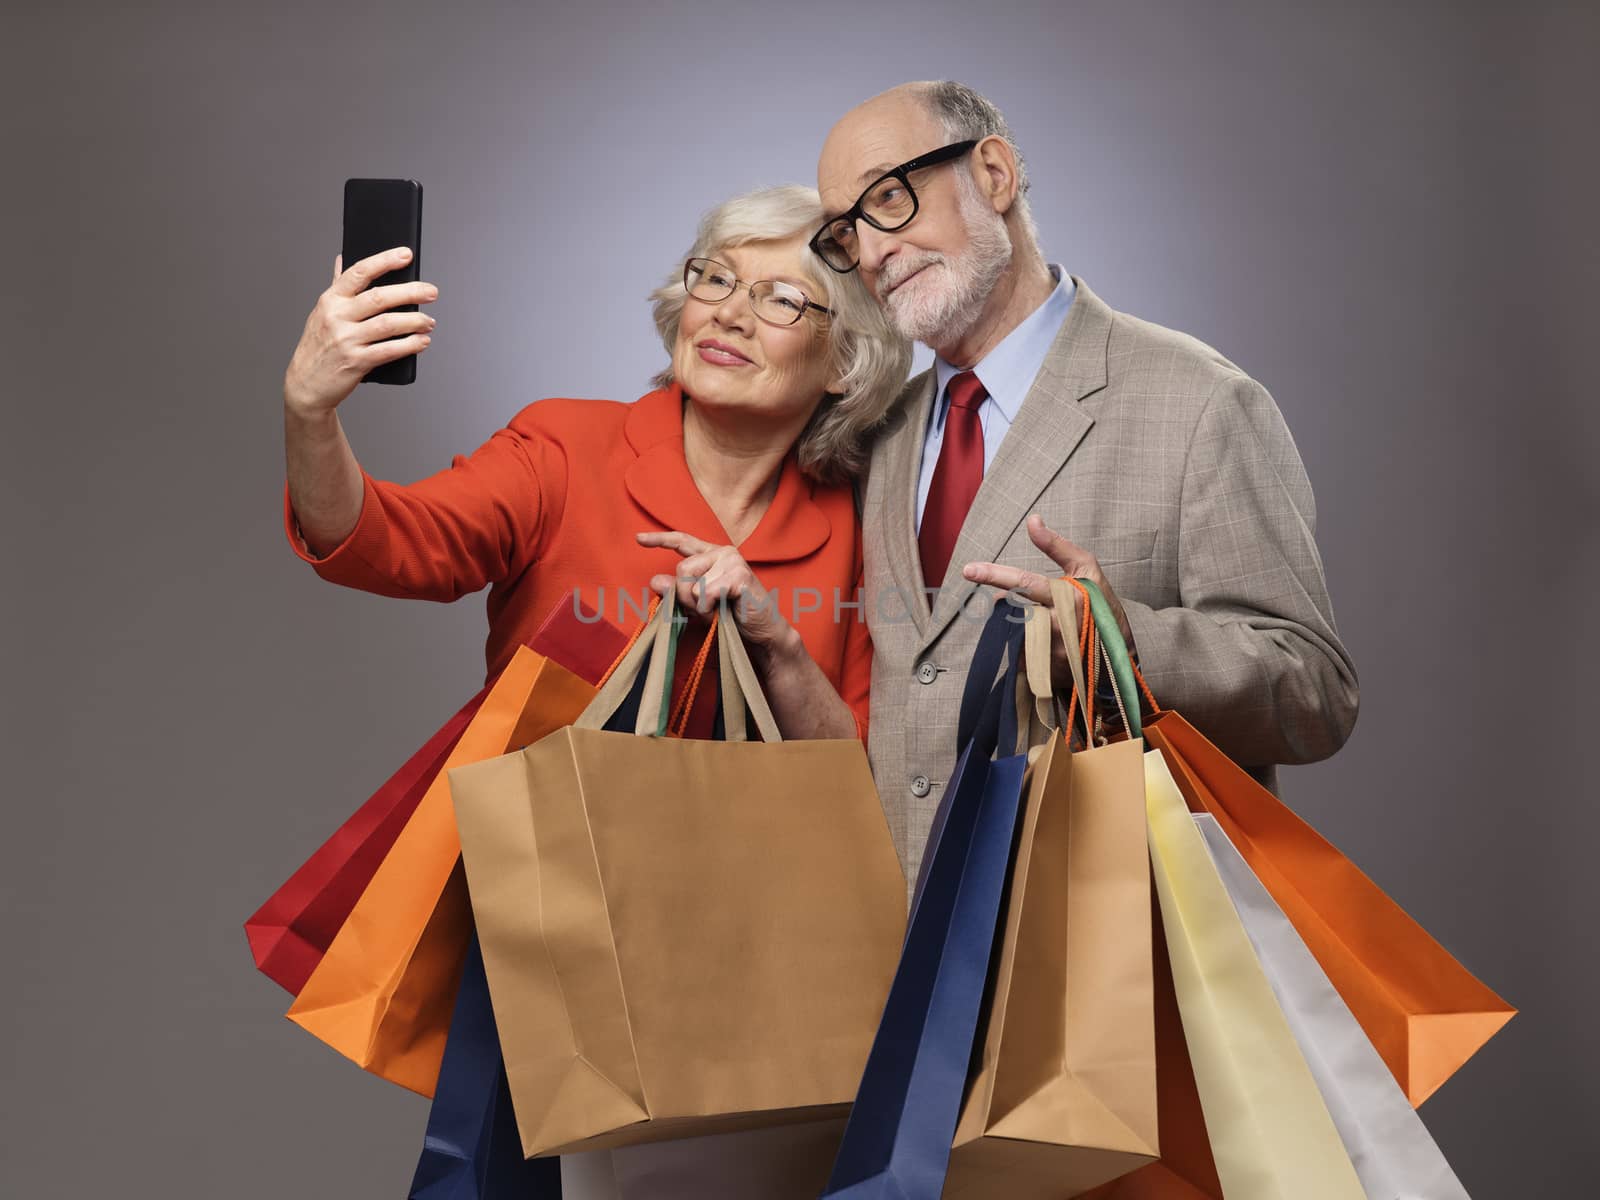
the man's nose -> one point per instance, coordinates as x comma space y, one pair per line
876, 247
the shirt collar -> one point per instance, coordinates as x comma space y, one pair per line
1007, 372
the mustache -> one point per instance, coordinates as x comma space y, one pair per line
900, 268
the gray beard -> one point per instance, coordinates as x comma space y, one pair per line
947, 305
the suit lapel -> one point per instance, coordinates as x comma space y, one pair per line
902, 449
1049, 426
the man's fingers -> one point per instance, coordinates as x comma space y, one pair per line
1010, 579
338, 267
360, 276
1069, 556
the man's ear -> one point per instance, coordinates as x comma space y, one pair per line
995, 170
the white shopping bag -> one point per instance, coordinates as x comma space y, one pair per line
1394, 1155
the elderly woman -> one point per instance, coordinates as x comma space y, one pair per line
732, 479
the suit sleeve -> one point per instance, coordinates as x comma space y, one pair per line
1251, 658
481, 521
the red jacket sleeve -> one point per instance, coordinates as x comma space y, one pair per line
478, 522
855, 679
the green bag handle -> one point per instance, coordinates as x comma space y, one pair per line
654, 652
1115, 649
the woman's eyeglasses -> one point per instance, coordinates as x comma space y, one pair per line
772, 300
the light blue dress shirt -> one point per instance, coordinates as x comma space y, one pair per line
1007, 373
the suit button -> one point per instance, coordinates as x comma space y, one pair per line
927, 673
920, 786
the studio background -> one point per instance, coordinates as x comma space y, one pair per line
1383, 212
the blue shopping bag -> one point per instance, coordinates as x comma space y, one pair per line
471, 1150
897, 1143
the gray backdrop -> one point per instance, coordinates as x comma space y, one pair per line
1384, 212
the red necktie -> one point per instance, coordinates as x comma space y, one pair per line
956, 477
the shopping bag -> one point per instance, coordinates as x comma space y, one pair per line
1186, 1169
1271, 1133
680, 936
1393, 1153
1422, 1009
291, 932
471, 1150
383, 993
1065, 1092
898, 1139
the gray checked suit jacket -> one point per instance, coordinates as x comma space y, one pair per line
1176, 470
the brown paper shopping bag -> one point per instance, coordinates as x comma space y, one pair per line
383, 993
681, 937
1064, 1097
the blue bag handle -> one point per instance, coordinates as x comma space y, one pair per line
988, 716
985, 701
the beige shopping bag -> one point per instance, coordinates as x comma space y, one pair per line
1271, 1133
681, 937
1064, 1097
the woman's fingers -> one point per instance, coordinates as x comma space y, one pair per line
684, 543
708, 575
389, 325
359, 277
392, 295
379, 353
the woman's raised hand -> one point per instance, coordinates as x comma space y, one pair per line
346, 334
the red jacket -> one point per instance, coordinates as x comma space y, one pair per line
550, 505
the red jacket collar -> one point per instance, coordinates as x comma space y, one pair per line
659, 481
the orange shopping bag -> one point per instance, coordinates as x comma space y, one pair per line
383, 993
1424, 1011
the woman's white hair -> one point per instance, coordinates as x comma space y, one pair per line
869, 358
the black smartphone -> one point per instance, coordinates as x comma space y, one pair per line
380, 214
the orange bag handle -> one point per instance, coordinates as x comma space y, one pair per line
633, 637
1087, 641
679, 719
1144, 688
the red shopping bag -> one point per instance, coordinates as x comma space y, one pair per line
291, 932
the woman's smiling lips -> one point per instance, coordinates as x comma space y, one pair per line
721, 354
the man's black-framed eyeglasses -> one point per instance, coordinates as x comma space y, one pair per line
772, 300
888, 203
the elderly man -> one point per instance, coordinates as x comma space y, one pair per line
1169, 469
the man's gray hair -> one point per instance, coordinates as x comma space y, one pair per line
870, 358
965, 114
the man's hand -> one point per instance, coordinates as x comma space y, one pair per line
1076, 563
